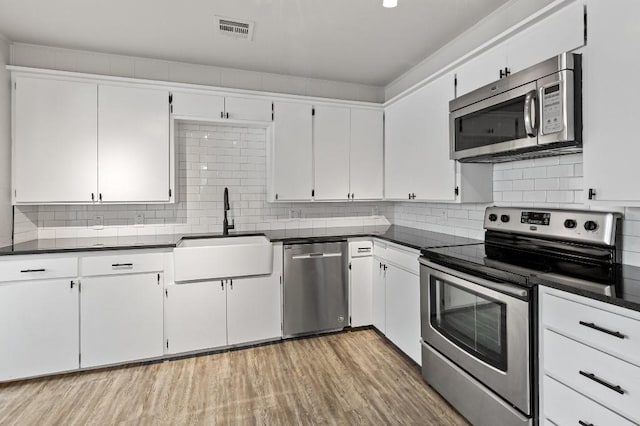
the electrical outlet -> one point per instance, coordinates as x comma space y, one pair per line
139, 220
98, 222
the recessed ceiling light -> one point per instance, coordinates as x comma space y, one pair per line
389, 3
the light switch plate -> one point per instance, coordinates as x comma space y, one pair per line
98, 222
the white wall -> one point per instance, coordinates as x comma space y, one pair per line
5, 146
129, 66
497, 22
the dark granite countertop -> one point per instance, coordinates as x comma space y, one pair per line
626, 292
409, 237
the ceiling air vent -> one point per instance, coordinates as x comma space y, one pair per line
235, 28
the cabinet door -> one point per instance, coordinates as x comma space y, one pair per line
379, 295
417, 145
331, 133
361, 279
403, 311
133, 144
39, 333
563, 31
196, 316
198, 105
254, 309
366, 164
291, 166
55, 141
481, 70
249, 109
121, 319
610, 102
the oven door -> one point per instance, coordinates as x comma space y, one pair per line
503, 122
482, 326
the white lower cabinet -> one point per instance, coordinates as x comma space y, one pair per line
39, 332
403, 311
590, 372
121, 319
213, 314
396, 297
378, 293
253, 309
361, 283
196, 316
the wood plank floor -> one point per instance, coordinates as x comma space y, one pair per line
347, 378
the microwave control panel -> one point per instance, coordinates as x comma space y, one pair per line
552, 109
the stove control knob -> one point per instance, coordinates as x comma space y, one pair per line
590, 225
570, 223
504, 218
493, 217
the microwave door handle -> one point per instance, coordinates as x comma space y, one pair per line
530, 114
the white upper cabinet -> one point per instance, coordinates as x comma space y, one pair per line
292, 156
133, 144
250, 109
55, 141
481, 70
194, 105
611, 90
198, 105
366, 163
561, 31
331, 132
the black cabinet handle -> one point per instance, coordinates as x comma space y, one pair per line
122, 265
100, 197
380, 265
222, 284
93, 196
604, 383
583, 423
603, 330
221, 114
231, 284
24, 271
227, 115
385, 267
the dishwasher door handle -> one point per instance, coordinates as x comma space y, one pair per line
315, 255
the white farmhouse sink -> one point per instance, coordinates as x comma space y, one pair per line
222, 257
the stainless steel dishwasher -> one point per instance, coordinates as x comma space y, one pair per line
316, 295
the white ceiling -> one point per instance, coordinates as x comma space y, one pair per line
345, 40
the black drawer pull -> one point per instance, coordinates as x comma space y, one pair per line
583, 423
122, 265
32, 270
603, 330
597, 379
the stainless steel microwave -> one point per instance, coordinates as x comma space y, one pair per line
532, 113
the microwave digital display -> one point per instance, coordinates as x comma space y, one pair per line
535, 218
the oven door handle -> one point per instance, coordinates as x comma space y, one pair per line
440, 271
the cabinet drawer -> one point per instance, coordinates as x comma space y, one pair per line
38, 268
404, 259
613, 333
564, 406
361, 248
613, 383
122, 263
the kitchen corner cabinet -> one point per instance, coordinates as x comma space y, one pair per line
347, 155
200, 105
121, 318
417, 164
39, 333
291, 152
55, 141
560, 31
610, 104
133, 144
86, 142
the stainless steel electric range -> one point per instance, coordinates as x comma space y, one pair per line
478, 304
